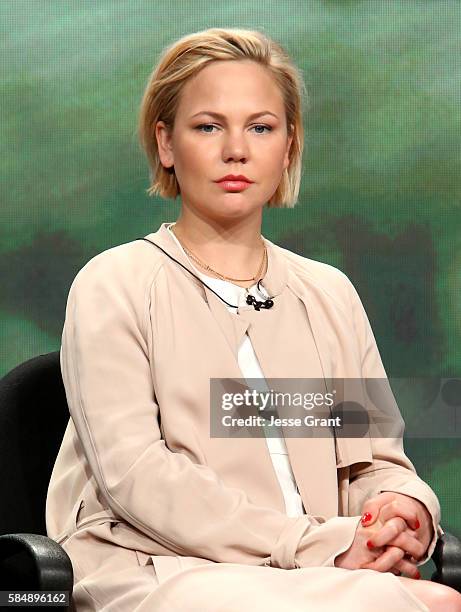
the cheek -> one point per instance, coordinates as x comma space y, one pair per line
274, 164
274, 155
196, 161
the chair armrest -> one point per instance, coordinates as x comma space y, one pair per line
43, 564
447, 560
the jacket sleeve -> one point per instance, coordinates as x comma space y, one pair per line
184, 506
391, 469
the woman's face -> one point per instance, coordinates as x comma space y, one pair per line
203, 147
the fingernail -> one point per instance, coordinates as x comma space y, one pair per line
366, 517
418, 576
370, 544
417, 525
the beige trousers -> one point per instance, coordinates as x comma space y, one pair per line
116, 579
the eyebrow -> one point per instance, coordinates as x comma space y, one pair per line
220, 116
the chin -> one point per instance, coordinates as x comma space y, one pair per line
236, 213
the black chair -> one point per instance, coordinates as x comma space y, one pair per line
33, 418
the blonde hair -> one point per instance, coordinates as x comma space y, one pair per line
184, 59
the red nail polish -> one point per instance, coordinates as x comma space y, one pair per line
370, 544
366, 517
417, 524
418, 576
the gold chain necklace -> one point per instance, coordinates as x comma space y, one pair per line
222, 276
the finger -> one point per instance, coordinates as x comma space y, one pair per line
405, 566
398, 507
393, 528
409, 544
390, 557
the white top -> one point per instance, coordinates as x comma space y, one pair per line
250, 368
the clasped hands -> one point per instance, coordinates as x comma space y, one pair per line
400, 531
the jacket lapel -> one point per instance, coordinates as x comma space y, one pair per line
348, 450
231, 325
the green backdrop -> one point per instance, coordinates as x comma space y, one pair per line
380, 195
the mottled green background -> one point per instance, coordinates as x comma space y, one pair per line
380, 195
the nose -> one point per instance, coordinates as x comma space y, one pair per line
235, 147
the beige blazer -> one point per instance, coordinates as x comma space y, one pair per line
141, 340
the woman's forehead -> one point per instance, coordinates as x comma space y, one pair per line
231, 93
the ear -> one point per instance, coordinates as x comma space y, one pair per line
164, 144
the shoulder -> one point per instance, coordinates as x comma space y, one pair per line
331, 288
328, 279
132, 265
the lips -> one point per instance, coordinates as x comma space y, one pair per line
234, 177
234, 182
234, 185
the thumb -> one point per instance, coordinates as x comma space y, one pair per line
370, 515
371, 508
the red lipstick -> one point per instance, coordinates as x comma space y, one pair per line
234, 182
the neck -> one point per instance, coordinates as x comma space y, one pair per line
235, 252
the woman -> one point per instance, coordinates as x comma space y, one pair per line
156, 513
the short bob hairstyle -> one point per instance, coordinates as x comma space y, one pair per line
184, 59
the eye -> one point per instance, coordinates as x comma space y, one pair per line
268, 127
204, 125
